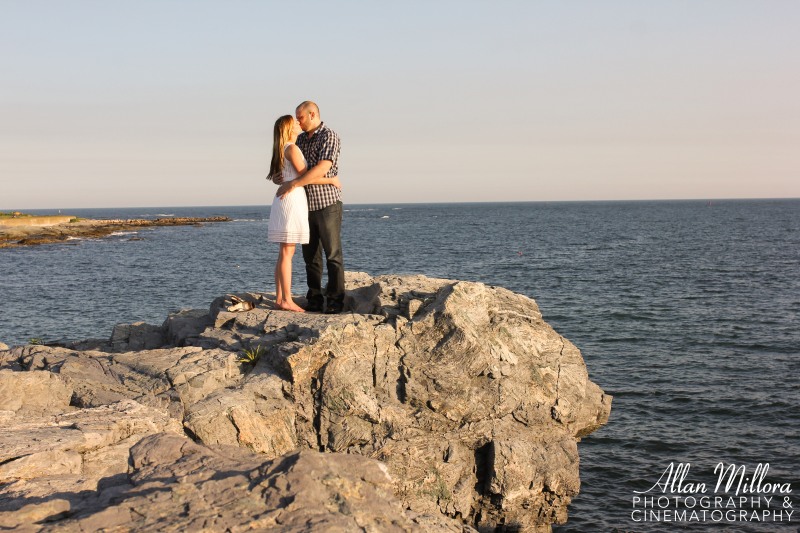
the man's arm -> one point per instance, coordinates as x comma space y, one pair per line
313, 176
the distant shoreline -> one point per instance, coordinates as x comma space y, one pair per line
31, 230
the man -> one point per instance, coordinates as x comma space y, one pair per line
320, 146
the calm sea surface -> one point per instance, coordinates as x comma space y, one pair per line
686, 312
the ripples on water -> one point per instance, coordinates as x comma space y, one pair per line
687, 313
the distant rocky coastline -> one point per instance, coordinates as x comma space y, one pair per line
431, 405
26, 230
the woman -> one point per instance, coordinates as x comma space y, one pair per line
288, 218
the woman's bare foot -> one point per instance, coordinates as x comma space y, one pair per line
289, 306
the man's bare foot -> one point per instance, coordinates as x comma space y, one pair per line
289, 306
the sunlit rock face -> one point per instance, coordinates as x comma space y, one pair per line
453, 400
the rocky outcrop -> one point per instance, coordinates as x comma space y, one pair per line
177, 485
19, 219
51, 465
438, 403
29, 231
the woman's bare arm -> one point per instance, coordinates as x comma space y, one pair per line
295, 157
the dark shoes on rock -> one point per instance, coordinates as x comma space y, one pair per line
316, 306
334, 308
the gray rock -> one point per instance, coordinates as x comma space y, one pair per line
364, 300
455, 370
257, 416
233, 490
137, 336
33, 393
474, 403
182, 326
60, 460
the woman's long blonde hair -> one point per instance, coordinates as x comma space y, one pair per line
281, 135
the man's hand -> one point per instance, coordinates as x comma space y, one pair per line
285, 189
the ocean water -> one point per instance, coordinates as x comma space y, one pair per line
686, 312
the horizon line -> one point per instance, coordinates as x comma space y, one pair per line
704, 199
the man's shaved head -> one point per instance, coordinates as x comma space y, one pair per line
308, 105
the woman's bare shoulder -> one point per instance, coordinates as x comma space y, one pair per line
295, 156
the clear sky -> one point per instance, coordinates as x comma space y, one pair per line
111, 103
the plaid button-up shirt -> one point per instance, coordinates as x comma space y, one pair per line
324, 144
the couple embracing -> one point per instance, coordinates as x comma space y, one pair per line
307, 208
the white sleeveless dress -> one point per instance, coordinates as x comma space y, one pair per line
288, 217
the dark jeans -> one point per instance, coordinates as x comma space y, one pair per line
325, 226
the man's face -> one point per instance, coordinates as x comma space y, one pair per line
304, 117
